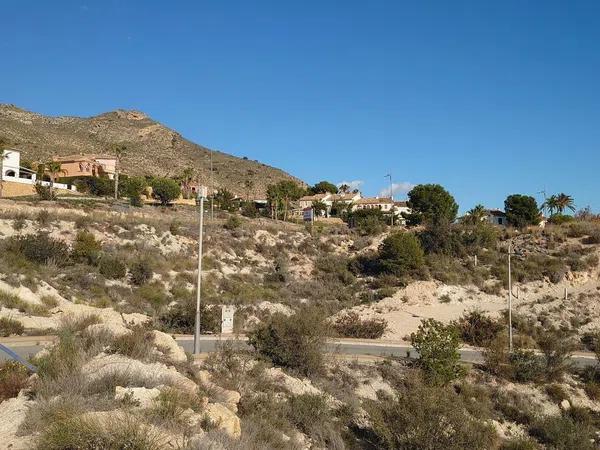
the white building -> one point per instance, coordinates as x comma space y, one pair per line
12, 171
497, 217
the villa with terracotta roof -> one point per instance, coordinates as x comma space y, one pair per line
87, 165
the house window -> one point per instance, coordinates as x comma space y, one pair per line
500, 221
10, 173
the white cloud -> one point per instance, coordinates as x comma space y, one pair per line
355, 184
397, 188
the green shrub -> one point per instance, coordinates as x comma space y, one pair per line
40, 248
424, 417
477, 329
519, 444
350, 325
13, 378
526, 365
166, 190
437, 345
557, 350
556, 392
140, 272
296, 342
181, 318
401, 254
562, 433
368, 221
82, 222
86, 248
124, 432
112, 267
44, 218
133, 188
13, 301
308, 411
9, 326
232, 223
44, 192
138, 344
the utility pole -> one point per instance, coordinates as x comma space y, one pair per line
201, 196
389, 175
212, 189
510, 333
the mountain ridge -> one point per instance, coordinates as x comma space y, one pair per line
152, 148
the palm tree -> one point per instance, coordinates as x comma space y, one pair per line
53, 169
551, 204
188, 175
249, 184
119, 150
477, 214
564, 201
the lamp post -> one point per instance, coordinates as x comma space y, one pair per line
510, 332
201, 196
389, 175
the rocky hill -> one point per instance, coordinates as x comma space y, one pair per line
152, 148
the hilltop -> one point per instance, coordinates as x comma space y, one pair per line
152, 148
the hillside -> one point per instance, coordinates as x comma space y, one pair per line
153, 149
114, 284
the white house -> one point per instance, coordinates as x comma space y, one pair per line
13, 171
497, 217
384, 204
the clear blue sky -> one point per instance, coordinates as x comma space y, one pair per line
486, 98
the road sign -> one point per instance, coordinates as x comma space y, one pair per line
307, 214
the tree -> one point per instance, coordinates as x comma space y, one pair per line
430, 203
282, 193
53, 169
401, 254
344, 189
319, 208
119, 150
324, 187
133, 189
564, 201
225, 200
249, 185
187, 177
166, 190
521, 210
551, 204
476, 215
437, 345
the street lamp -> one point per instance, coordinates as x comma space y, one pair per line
510, 332
389, 175
201, 196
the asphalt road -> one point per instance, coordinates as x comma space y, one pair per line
346, 348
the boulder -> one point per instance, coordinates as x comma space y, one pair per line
223, 419
12, 414
224, 396
142, 396
169, 347
116, 329
137, 372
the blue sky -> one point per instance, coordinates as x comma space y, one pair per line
485, 98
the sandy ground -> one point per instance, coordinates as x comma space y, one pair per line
431, 299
